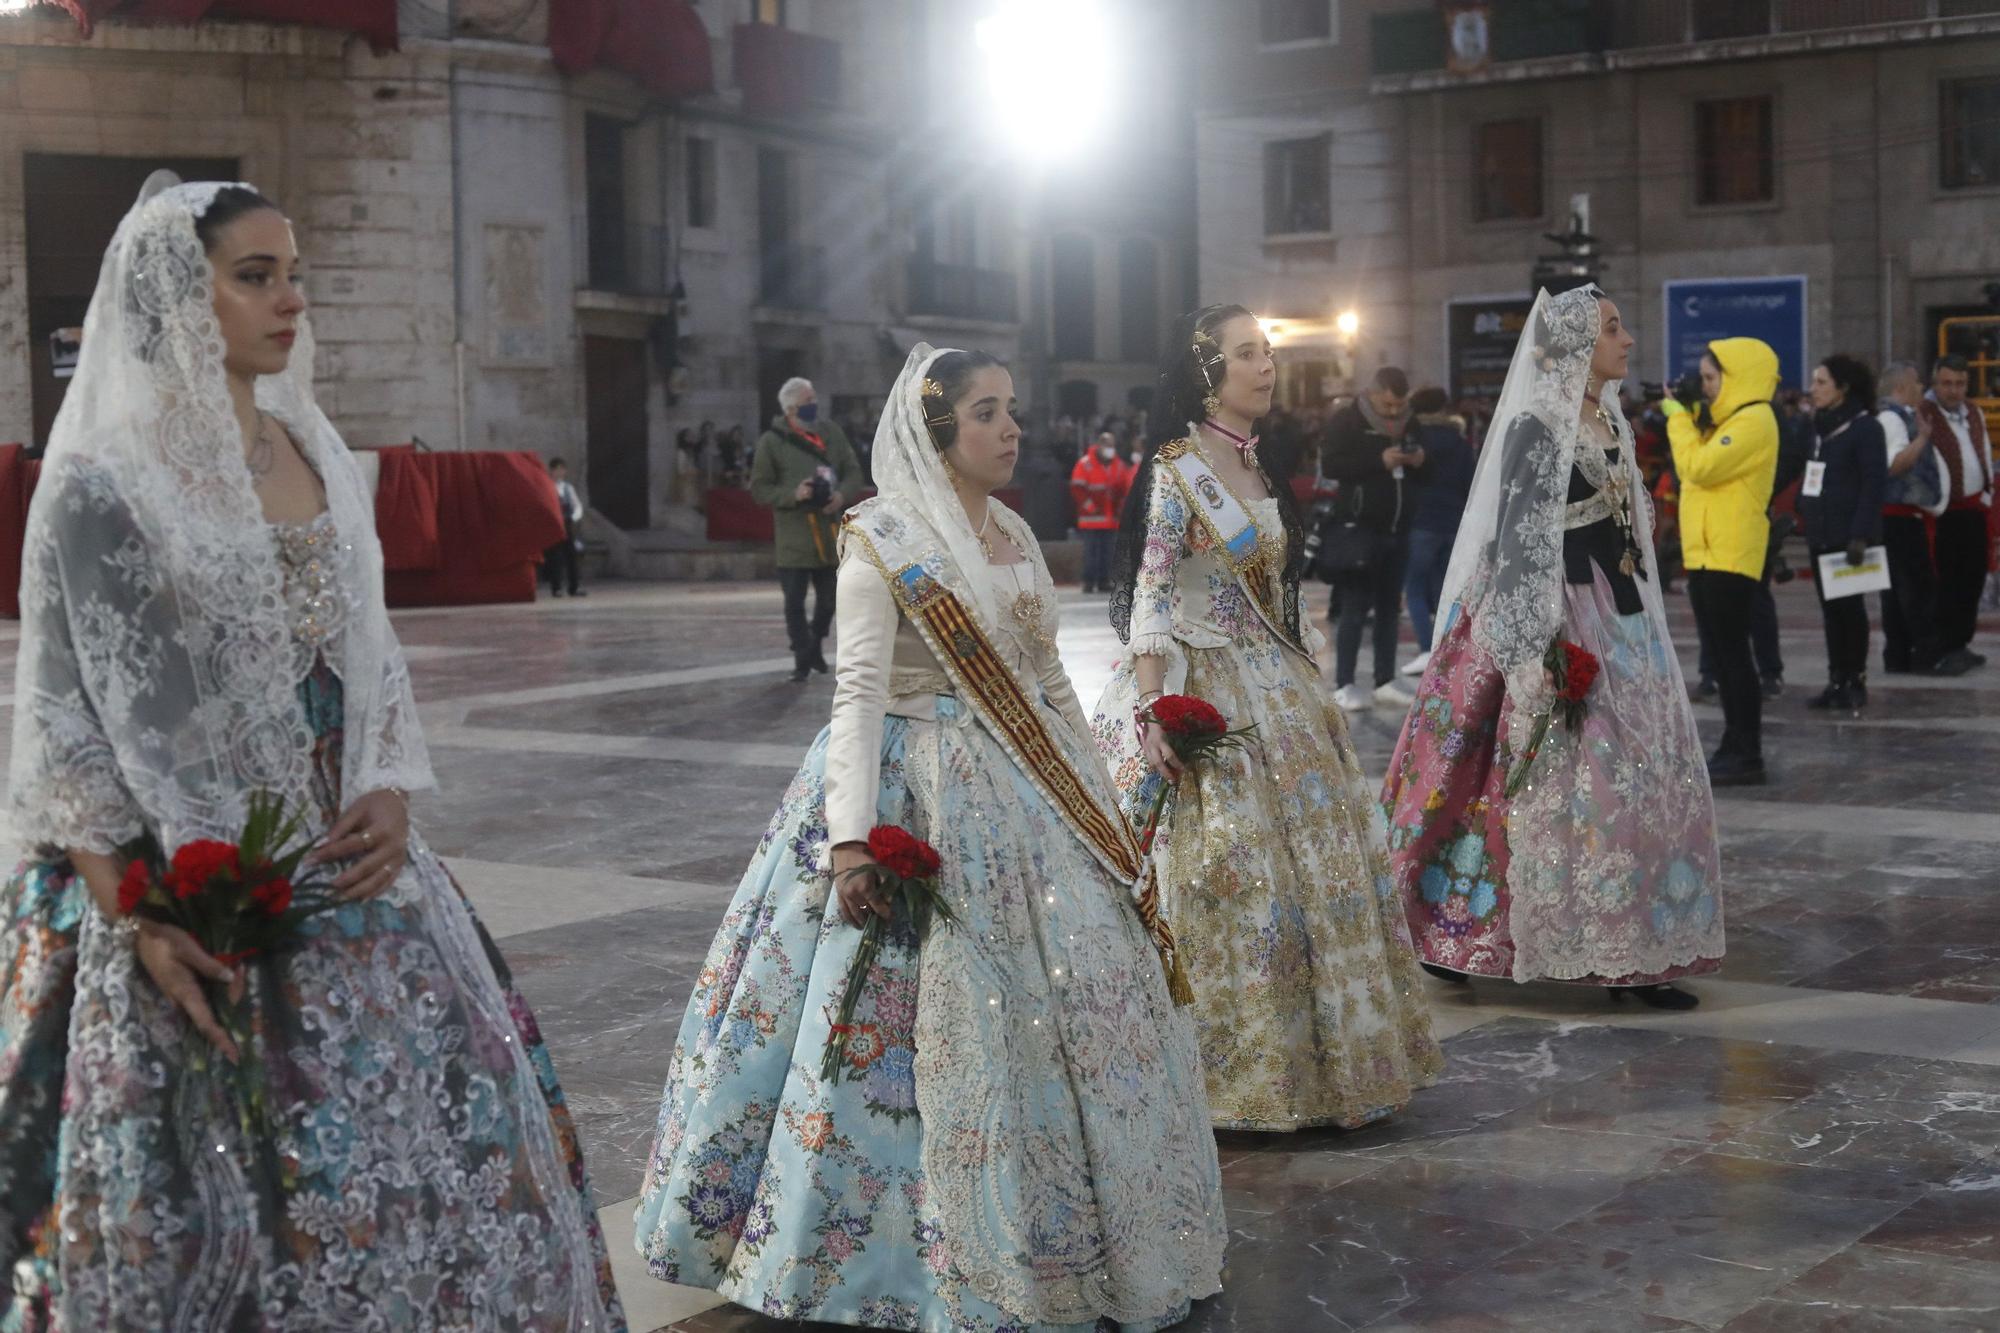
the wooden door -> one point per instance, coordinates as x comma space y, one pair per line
616, 475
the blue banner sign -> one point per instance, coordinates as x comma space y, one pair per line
1701, 310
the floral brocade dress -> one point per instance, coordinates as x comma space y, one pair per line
1602, 868
110, 1218
1016, 1142
1308, 1001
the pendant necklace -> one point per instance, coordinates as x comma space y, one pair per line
1246, 445
985, 546
1615, 486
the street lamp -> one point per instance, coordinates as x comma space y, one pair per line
1348, 324
1047, 69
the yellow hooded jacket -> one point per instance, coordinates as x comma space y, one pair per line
1726, 471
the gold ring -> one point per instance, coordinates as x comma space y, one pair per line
367, 838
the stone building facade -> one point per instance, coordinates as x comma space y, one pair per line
1853, 142
506, 254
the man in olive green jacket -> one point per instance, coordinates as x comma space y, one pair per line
805, 470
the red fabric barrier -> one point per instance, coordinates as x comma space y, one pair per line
17, 486
406, 511
456, 528
496, 514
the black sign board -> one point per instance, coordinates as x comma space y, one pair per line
1480, 336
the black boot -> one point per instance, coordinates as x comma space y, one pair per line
1659, 997
801, 667
1833, 699
818, 659
1857, 693
1735, 768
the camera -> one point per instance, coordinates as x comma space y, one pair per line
1687, 389
822, 490
1651, 391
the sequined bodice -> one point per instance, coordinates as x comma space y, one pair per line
314, 603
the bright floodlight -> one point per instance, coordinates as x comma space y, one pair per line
1048, 66
1348, 322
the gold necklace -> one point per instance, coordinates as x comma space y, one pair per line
985, 546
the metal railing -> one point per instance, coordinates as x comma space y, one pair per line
1412, 41
629, 258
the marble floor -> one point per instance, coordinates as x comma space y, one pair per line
1816, 1147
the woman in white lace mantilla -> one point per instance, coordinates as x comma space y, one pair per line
1599, 863
1015, 1138
202, 621
1271, 862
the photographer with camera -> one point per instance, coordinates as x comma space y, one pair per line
807, 472
1725, 444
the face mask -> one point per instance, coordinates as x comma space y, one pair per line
1107, 453
808, 413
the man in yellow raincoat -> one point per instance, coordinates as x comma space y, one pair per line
1725, 444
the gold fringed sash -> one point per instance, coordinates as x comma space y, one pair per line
984, 680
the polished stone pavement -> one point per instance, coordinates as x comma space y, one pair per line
1816, 1147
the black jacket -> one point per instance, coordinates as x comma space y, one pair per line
1848, 439
1351, 454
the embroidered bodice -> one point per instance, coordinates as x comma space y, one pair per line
1186, 593
315, 607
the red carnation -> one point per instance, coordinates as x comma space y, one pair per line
902, 853
199, 863
273, 895
133, 888
1582, 672
1186, 718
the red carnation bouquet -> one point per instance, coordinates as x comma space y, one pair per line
1196, 730
907, 868
239, 901
1574, 670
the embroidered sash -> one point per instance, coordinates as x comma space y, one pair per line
982, 678
1234, 534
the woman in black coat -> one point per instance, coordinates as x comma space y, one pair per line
1841, 502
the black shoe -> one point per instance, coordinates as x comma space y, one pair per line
818, 659
555, 592
1957, 662
1832, 699
1978, 659
578, 592
801, 668
1736, 770
1857, 694
1707, 689
1774, 686
1446, 974
1659, 997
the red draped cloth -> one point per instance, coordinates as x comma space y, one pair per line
661, 43
456, 527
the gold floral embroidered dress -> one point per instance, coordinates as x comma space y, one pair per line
1273, 866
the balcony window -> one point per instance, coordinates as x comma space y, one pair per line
604, 200
1719, 20
1282, 22
1073, 275
1139, 299
1507, 170
1735, 157
1969, 133
700, 181
1298, 191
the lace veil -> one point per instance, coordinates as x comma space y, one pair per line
910, 472
1506, 568
157, 669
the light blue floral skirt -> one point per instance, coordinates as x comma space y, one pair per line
1018, 1139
